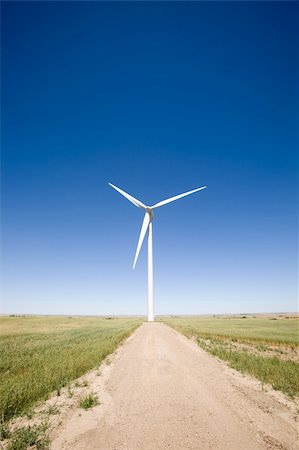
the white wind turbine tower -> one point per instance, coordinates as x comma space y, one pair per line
148, 225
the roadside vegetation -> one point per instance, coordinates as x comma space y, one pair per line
264, 347
41, 355
29, 437
89, 401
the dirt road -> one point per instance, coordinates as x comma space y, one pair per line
161, 391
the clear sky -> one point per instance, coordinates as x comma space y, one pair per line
158, 98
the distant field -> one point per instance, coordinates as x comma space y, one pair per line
39, 355
265, 347
272, 329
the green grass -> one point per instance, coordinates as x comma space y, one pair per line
282, 375
51, 410
248, 329
89, 401
224, 338
29, 437
4, 431
39, 355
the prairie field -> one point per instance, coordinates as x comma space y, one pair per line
265, 347
41, 355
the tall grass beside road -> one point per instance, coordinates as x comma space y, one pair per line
39, 355
264, 347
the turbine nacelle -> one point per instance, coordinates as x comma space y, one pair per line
150, 212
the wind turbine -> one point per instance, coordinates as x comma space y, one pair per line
148, 225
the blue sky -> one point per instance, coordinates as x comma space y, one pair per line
158, 98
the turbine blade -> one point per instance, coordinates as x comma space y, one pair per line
172, 199
129, 197
144, 227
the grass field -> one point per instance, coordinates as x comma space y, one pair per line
39, 355
264, 347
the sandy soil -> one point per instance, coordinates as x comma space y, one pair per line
161, 391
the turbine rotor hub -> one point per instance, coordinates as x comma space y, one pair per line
150, 211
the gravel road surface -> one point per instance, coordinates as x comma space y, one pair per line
161, 391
